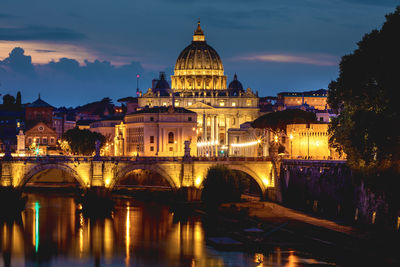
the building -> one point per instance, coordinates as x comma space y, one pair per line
309, 141
106, 127
248, 141
156, 131
38, 111
61, 124
199, 85
40, 139
309, 99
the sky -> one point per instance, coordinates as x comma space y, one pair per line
74, 52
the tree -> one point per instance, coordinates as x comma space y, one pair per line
8, 100
18, 99
364, 96
278, 120
222, 185
82, 142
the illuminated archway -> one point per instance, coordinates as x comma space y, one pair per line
148, 167
42, 167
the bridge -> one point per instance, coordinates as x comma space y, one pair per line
185, 174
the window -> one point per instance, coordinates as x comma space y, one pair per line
151, 118
152, 148
37, 140
189, 118
176, 103
52, 140
233, 121
29, 140
164, 104
189, 103
171, 149
151, 139
221, 103
321, 119
233, 104
170, 138
248, 102
44, 140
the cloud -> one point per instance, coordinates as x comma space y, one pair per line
318, 59
45, 51
374, 2
18, 62
39, 33
66, 81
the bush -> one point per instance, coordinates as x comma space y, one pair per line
222, 185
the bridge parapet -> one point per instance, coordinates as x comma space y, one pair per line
108, 171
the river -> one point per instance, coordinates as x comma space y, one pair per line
51, 233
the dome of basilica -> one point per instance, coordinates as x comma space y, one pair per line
199, 55
198, 66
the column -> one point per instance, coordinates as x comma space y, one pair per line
216, 135
212, 135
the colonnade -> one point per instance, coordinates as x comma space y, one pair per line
210, 141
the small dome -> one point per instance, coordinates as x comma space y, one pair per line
162, 85
199, 55
235, 86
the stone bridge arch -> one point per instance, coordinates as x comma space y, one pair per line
150, 167
251, 173
47, 166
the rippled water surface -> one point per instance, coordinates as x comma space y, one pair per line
51, 233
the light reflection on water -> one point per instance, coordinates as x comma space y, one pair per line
51, 233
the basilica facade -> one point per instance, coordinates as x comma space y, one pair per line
200, 85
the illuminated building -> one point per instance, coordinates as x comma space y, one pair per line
199, 85
40, 139
247, 142
156, 131
311, 99
311, 141
106, 127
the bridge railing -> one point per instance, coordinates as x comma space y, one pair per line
60, 158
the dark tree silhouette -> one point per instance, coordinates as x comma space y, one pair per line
82, 142
8, 100
364, 95
223, 185
18, 99
278, 120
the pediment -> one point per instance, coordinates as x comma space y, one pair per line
40, 128
200, 105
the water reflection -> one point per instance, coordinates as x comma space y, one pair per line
50, 232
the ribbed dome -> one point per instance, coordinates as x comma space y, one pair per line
199, 55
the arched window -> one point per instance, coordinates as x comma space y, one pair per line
170, 138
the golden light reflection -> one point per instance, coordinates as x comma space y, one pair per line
292, 260
259, 259
81, 223
108, 239
127, 235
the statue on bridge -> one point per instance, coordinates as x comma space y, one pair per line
186, 155
97, 155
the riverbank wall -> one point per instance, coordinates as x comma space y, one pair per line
330, 189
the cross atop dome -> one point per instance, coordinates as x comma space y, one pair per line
198, 35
